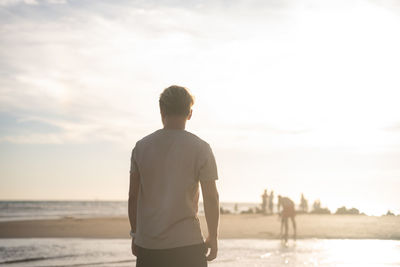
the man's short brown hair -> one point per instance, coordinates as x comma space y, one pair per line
176, 100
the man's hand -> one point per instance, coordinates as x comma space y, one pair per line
212, 244
133, 247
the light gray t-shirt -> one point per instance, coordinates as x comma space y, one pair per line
170, 163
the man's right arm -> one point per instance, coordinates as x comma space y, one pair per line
134, 184
211, 211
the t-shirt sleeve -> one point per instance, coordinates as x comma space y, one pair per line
208, 166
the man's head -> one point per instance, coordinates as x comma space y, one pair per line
176, 104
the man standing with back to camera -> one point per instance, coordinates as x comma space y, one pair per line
167, 167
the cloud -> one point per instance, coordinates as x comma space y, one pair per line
30, 2
53, 74
93, 70
83, 69
15, 2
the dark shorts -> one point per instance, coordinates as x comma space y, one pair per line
189, 256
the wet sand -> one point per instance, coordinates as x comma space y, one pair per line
231, 226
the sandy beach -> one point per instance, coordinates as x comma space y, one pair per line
231, 226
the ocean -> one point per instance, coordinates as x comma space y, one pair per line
35, 210
232, 253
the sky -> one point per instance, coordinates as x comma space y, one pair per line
294, 96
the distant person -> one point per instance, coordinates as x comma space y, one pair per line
167, 167
264, 199
303, 204
236, 208
271, 202
288, 211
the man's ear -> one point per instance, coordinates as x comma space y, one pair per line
190, 114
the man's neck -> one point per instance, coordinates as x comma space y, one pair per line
174, 124
173, 127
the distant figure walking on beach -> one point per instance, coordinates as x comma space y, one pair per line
288, 211
167, 167
264, 203
271, 202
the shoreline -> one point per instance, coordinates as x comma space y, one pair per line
254, 226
